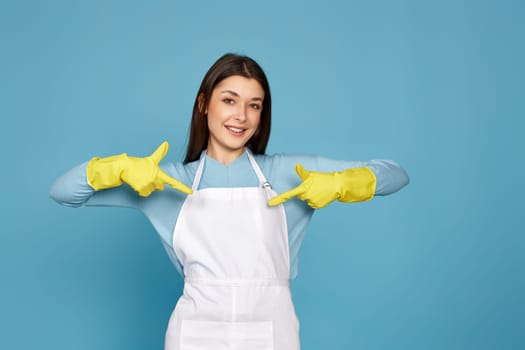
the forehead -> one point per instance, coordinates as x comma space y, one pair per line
244, 87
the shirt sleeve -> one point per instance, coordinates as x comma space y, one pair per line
73, 190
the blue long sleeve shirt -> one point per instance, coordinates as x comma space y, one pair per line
162, 207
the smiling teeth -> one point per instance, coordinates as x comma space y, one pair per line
235, 129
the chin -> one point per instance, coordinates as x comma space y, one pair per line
237, 149
238, 145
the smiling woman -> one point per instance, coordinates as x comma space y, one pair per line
228, 71
232, 238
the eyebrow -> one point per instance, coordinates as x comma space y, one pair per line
236, 94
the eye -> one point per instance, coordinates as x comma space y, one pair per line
256, 106
228, 100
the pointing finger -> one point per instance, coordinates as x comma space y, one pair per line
283, 197
176, 184
160, 152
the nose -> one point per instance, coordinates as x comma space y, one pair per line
241, 113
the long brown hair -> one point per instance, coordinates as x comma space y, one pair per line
226, 66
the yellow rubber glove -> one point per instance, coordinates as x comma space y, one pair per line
319, 189
142, 174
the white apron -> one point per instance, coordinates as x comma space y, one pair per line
234, 250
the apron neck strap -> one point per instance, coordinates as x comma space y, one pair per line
262, 180
198, 174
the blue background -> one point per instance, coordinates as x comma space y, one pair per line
435, 85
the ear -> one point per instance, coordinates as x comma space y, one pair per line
200, 100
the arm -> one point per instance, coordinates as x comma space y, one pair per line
85, 182
346, 181
72, 189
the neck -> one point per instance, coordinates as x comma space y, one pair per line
224, 157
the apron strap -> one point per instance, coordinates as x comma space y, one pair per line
198, 174
262, 180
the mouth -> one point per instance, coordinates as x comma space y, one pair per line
235, 131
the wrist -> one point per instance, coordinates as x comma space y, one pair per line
102, 173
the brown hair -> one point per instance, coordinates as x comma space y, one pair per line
226, 66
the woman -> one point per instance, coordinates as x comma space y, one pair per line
232, 238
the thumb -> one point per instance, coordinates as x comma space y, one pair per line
301, 171
160, 152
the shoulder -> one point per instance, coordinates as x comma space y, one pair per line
283, 165
286, 162
279, 168
279, 160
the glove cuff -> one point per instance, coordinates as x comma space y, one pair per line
357, 184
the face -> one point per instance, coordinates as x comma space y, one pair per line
234, 112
